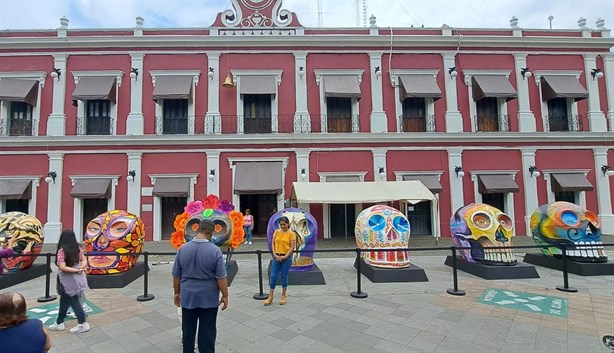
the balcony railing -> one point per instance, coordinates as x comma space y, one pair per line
425, 123
97, 125
340, 123
571, 122
18, 127
491, 123
242, 124
175, 125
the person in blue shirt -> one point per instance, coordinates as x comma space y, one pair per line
18, 333
199, 275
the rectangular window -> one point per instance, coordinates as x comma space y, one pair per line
175, 116
569, 196
558, 119
495, 200
98, 117
339, 117
20, 119
414, 115
256, 113
487, 118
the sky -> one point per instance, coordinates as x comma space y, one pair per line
45, 14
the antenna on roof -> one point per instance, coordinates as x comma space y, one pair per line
319, 13
550, 18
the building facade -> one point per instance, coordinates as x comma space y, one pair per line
147, 119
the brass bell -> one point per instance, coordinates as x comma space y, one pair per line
228, 82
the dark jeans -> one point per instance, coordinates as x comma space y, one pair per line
207, 329
73, 302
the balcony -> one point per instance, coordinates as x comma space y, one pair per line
98, 125
18, 127
176, 125
340, 123
241, 124
566, 123
491, 123
417, 123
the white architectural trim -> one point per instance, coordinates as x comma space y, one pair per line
232, 163
236, 75
78, 203
580, 195
323, 107
191, 102
501, 102
398, 103
36, 110
508, 196
326, 208
157, 209
35, 180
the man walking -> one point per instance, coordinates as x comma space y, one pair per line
199, 275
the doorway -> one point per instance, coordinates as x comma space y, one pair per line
419, 217
262, 207
17, 205
495, 200
171, 207
342, 220
92, 208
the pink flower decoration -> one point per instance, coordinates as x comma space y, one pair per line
194, 207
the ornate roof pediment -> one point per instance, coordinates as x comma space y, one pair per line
256, 14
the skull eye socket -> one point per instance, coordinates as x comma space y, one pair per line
591, 217
401, 224
93, 229
482, 220
377, 222
119, 229
506, 222
570, 218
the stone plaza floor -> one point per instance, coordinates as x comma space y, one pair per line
395, 317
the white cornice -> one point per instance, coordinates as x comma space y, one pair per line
74, 178
338, 72
395, 73
257, 72
476, 173
33, 75
158, 73
193, 177
539, 73
118, 74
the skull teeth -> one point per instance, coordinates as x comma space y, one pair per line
587, 249
500, 256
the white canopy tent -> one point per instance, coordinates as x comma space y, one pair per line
411, 191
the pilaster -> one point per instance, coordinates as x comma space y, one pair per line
454, 119
135, 123
379, 121
53, 227
596, 118
526, 118
134, 187
56, 124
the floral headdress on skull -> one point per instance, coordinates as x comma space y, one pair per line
228, 233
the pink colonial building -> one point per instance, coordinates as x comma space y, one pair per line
146, 119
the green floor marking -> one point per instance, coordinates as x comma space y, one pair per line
533, 303
48, 313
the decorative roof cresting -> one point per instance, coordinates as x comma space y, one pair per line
256, 14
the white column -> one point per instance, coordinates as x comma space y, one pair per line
135, 160
379, 161
454, 119
604, 196
135, 122
596, 118
379, 121
53, 227
56, 124
302, 163
456, 183
213, 119
530, 187
526, 118
302, 120
213, 163
472, 105
608, 61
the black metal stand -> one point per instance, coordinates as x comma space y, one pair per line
261, 295
47, 297
565, 287
145, 297
358, 293
455, 290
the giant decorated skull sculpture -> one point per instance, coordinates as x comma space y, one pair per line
383, 227
306, 229
27, 234
114, 231
566, 224
228, 233
480, 227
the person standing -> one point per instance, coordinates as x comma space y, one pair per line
199, 275
282, 246
18, 333
248, 226
72, 281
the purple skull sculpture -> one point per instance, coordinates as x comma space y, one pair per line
306, 229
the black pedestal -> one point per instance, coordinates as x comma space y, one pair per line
313, 277
412, 273
577, 268
14, 278
117, 280
489, 272
231, 271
